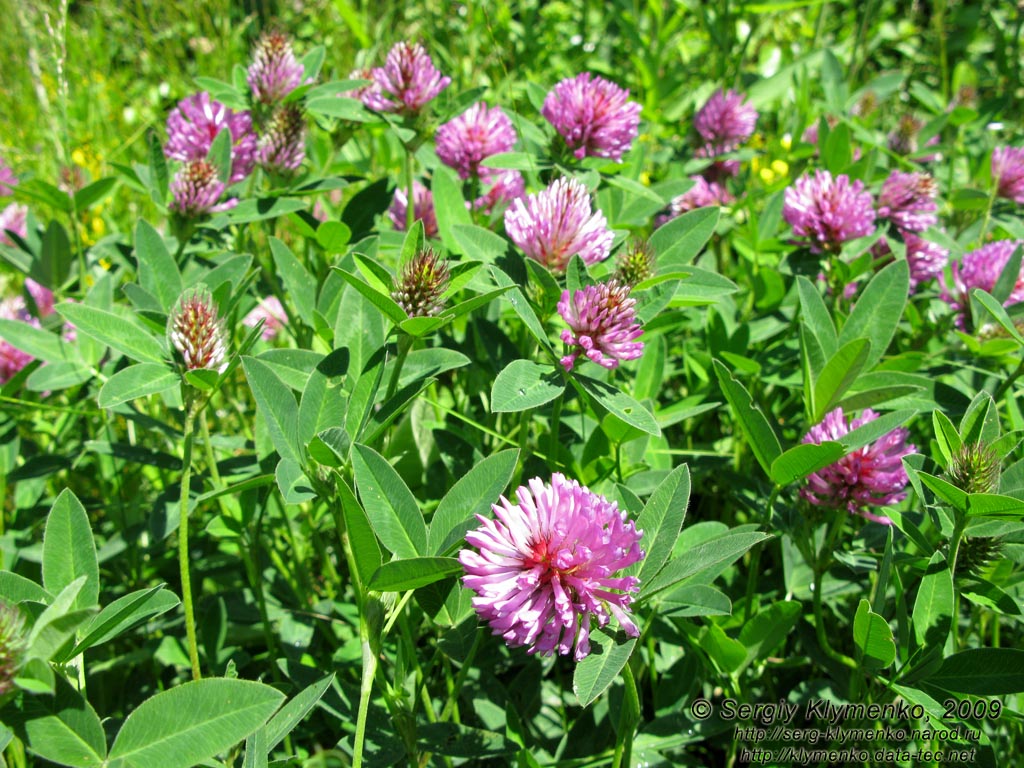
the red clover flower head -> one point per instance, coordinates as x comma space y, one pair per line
726, 121
406, 82
981, 268
423, 209
593, 115
274, 72
8, 181
547, 566
42, 297
908, 200
270, 311
602, 325
196, 330
927, 260
196, 189
828, 211
507, 186
195, 123
283, 147
870, 476
478, 133
1008, 172
13, 218
13, 359
702, 194
557, 223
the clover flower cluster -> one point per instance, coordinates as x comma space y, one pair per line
546, 567
981, 268
593, 116
827, 211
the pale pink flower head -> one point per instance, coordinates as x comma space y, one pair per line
196, 331
507, 186
406, 82
593, 115
274, 72
726, 121
908, 200
13, 359
547, 566
981, 268
828, 211
270, 311
8, 181
368, 93
558, 223
196, 190
195, 123
476, 134
602, 325
423, 209
870, 476
1008, 172
282, 147
702, 194
13, 218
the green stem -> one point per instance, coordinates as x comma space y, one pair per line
183, 558
556, 419
821, 564
460, 678
954, 554
405, 342
1008, 382
365, 689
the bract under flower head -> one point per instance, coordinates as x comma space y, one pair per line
195, 123
602, 325
593, 115
870, 476
1008, 172
828, 211
981, 268
547, 566
557, 223
479, 132
406, 82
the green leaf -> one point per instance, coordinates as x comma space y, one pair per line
220, 154
37, 342
801, 460
478, 243
403, 575
933, 608
277, 404
982, 672
619, 403
512, 161
877, 312
16, 589
696, 600
945, 490
69, 551
838, 374
721, 550
116, 331
263, 208
946, 436
90, 194
759, 433
366, 552
135, 381
333, 236
295, 711
57, 624
388, 306
524, 384
661, 520
389, 504
295, 487
320, 407
994, 308
1009, 277
158, 273
873, 637
727, 654
299, 285
158, 175
472, 495
868, 433
192, 722
522, 308
340, 107
768, 628
598, 670
816, 316
449, 206
55, 255
994, 505
123, 614
988, 595
679, 241
62, 728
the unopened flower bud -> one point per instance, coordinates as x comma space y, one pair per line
424, 279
